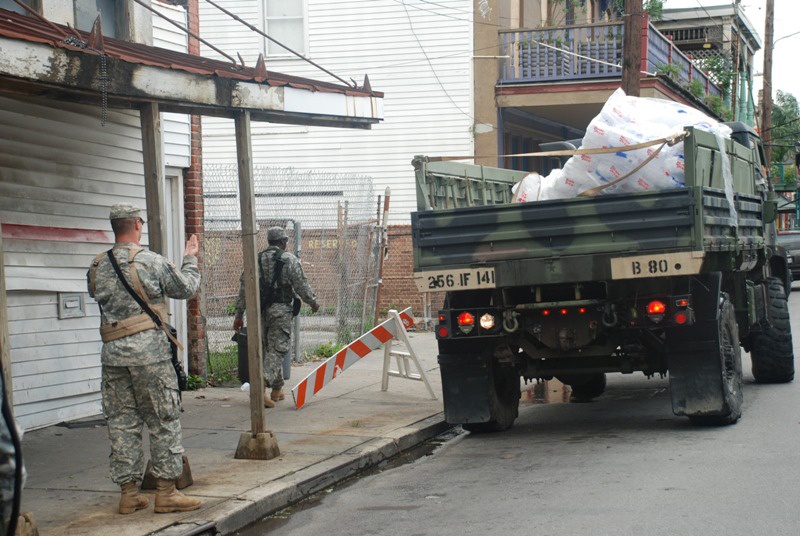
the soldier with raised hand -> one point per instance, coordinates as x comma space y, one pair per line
139, 384
279, 284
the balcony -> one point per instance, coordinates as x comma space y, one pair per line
593, 51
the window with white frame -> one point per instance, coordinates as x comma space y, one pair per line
285, 22
13, 6
86, 12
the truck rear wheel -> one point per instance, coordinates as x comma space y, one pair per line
503, 399
585, 386
771, 350
730, 354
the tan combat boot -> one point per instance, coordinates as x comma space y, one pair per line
131, 500
277, 394
268, 403
169, 499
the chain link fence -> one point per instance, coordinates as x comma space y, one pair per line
333, 225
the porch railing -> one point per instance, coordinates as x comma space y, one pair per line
591, 51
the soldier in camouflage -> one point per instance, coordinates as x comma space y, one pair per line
139, 384
276, 317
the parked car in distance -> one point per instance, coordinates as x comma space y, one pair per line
790, 240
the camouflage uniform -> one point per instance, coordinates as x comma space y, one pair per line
276, 320
8, 464
138, 381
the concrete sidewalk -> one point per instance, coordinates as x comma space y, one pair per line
348, 426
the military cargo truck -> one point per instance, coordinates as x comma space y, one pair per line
669, 282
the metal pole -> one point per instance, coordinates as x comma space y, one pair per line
384, 250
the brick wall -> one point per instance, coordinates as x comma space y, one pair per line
193, 219
398, 290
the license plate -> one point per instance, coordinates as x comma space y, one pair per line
463, 279
660, 265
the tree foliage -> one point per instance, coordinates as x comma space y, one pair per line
558, 9
785, 127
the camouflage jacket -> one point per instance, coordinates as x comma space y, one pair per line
160, 279
292, 278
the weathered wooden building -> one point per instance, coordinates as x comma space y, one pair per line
86, 121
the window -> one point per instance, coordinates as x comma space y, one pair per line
86, 11
10, 5
285, 21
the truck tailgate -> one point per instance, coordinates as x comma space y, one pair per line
577, 239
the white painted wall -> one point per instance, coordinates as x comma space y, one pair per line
176, 127
60, 171
427, 103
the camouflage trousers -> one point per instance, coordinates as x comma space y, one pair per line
132, 397
276, 340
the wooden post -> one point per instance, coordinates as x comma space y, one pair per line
5, 344
766, 107
632, 48
257, 444
152, 153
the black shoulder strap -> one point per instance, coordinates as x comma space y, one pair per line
143, 304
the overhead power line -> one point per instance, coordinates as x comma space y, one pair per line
264, 34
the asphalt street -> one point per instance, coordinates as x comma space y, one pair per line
620, 465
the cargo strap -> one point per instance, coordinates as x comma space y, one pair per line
669, 140
591, 192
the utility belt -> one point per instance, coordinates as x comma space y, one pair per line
131, 325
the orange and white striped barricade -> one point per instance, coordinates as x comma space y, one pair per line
403, 358
322, 375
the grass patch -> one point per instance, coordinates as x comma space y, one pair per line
223, 366
322, 351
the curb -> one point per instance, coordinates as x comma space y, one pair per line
233, 514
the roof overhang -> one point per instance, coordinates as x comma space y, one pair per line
177, 83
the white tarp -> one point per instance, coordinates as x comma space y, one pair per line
626, 121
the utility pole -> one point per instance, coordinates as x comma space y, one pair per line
632, 47
766, 105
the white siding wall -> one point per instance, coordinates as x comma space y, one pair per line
427, 105
176, 127
59, 173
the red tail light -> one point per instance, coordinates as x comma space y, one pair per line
656, 307
466, 319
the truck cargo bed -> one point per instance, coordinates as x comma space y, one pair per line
585, 231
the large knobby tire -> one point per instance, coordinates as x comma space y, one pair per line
504, 399
585, 387
771, 349
730, 354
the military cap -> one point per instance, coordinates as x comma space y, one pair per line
124, 211
276, 233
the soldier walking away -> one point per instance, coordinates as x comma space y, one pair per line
139, 383
281, 278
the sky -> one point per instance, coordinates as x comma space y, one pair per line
786, 42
